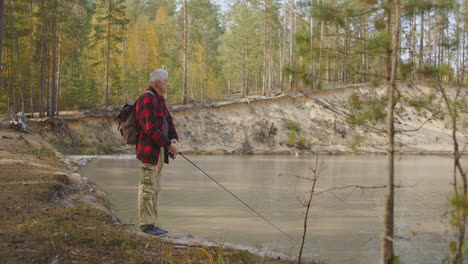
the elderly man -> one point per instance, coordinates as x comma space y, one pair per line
158, 137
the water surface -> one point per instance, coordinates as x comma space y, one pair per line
344, 225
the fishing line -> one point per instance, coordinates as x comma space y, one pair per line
253, 210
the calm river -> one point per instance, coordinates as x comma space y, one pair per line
344, 225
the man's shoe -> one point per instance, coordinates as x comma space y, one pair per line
153, 230
148, 229
159, 231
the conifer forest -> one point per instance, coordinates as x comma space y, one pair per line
78, 54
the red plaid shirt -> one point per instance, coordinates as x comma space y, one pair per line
149, 114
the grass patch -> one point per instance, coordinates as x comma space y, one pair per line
294, 138
355, 144
43, 153
78, 146
425, 101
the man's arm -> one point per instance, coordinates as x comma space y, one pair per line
172, 129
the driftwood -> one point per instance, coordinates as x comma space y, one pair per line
18, 123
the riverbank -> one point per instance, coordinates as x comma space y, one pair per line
345, 120
50, 214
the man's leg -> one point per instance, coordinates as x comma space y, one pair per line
157, 184
145, 195
148, 191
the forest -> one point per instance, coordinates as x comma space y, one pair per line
61, 55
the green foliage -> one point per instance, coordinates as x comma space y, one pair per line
458, 212
406, 70
292, 136
247, 258
107, 36
396, 260
379, 42
376, 82
77, 84
443, 72
328, 13
355, 102
369, 110
225, 48
459, 206
294, 139
424, 101
293, 126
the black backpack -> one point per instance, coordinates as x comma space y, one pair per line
128, 124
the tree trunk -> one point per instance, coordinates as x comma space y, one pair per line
243, 70
185, 52
367, 53
421, 43
2, 11
292, 44
387, 252
319, 65
413, 47
10, 80
439, 36
31, 61
247, 88
59, 75
43, 64
230, 77
283, 45
264, 83
463, 57
107, 63
457, 56
20, 75
53, 61
311, 46
270, 71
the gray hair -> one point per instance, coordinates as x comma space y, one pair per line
158, 75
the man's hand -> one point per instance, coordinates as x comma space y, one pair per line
174, 148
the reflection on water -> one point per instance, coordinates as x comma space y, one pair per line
344, 225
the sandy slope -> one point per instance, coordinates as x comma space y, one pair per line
259, 125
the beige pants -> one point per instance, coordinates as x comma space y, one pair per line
150, 185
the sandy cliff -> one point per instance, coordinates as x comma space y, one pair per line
315, 122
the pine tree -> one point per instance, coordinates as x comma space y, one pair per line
108, 33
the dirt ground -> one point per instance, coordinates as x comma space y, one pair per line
49, 214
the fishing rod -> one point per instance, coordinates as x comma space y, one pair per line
253, 210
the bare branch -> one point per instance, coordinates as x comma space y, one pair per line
354, 187
458, 254
416, 129
316, 172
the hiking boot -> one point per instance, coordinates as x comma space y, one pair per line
153, 230
148, 229
159, 231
